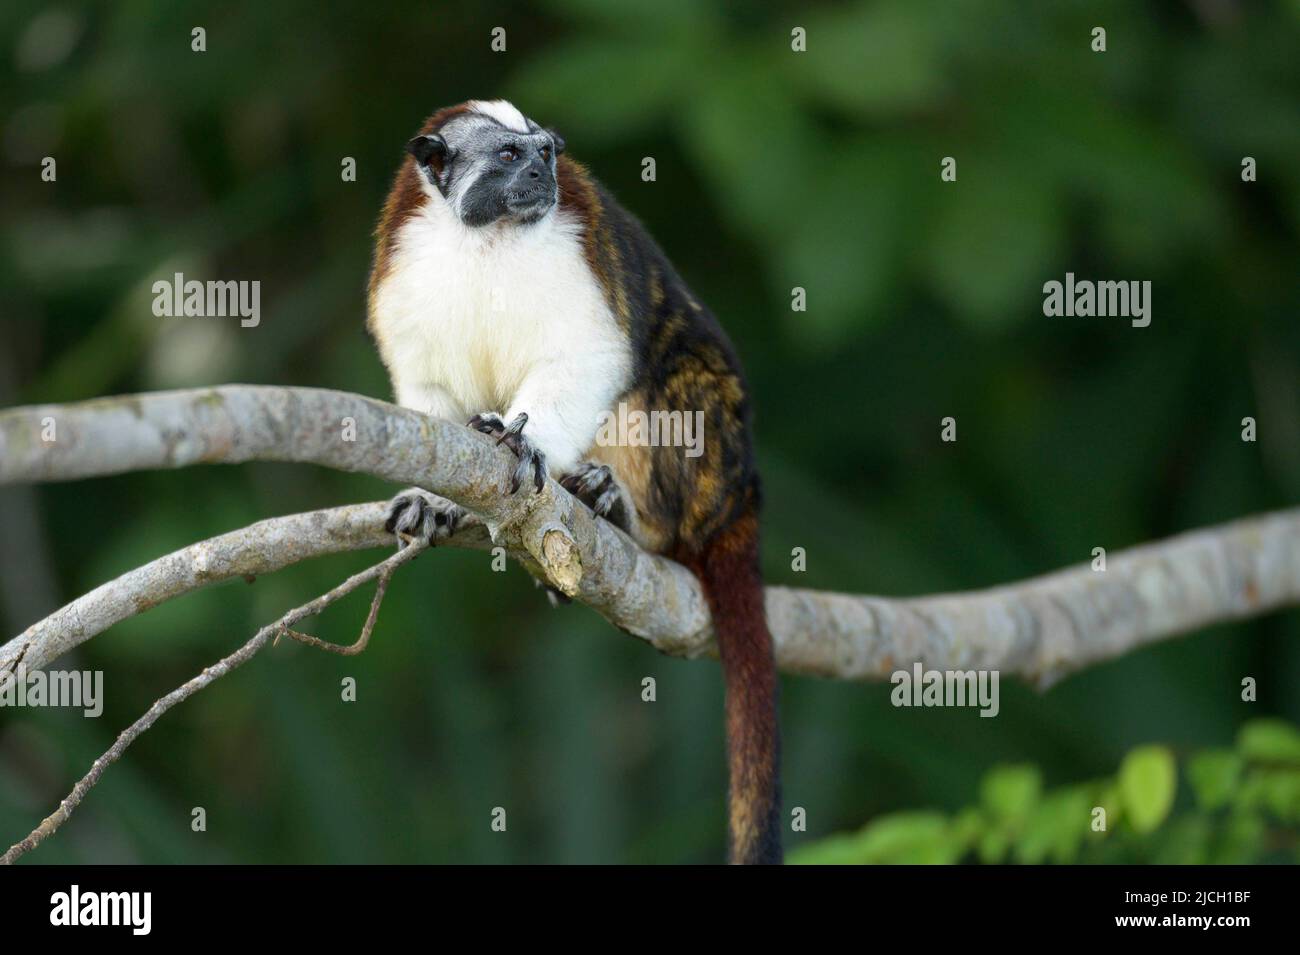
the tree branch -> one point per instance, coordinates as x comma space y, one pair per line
50, 824
1040, 629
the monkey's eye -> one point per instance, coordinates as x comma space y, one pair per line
508, 154
546, 153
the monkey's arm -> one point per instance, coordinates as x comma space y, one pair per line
564, 398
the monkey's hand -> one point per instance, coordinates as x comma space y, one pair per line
594, 485
512, 436
417, 513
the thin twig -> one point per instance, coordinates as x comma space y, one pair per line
382, 570
362, 641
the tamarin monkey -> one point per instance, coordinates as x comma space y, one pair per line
509, 290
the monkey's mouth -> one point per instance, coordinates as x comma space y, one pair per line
529, 200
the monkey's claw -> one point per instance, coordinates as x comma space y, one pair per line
417, 513
512, 436
594, 485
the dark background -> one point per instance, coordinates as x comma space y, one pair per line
775, 170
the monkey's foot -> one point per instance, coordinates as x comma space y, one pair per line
417, 513
512, 436
594, 485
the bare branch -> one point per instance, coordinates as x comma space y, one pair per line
219, 669
249, 552
1041, 629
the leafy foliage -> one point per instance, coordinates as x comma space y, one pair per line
1244, 807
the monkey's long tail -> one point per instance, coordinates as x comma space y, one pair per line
728, 570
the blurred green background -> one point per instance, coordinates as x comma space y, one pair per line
774, 169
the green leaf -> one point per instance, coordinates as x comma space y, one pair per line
908, 838
1214, 775
1112, 801
1269, 741
1242, 839
1071, 818
1036, 840
967, 828
1010, 792
993, 846
1148, 780
1186, 841
1251, 793
1281, 791
911, 838
1056, 827
835, 850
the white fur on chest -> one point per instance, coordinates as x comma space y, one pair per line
500, 318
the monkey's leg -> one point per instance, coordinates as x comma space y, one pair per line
418, 513
594, 485
512, 436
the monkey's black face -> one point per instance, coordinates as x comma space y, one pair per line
490, 172
514, 179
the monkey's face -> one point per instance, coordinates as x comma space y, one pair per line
495, 166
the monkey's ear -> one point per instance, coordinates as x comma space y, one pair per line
425, 148
559, 142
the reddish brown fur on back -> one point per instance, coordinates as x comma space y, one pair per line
577, 191
580, 198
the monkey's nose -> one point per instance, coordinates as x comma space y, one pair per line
534, 174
